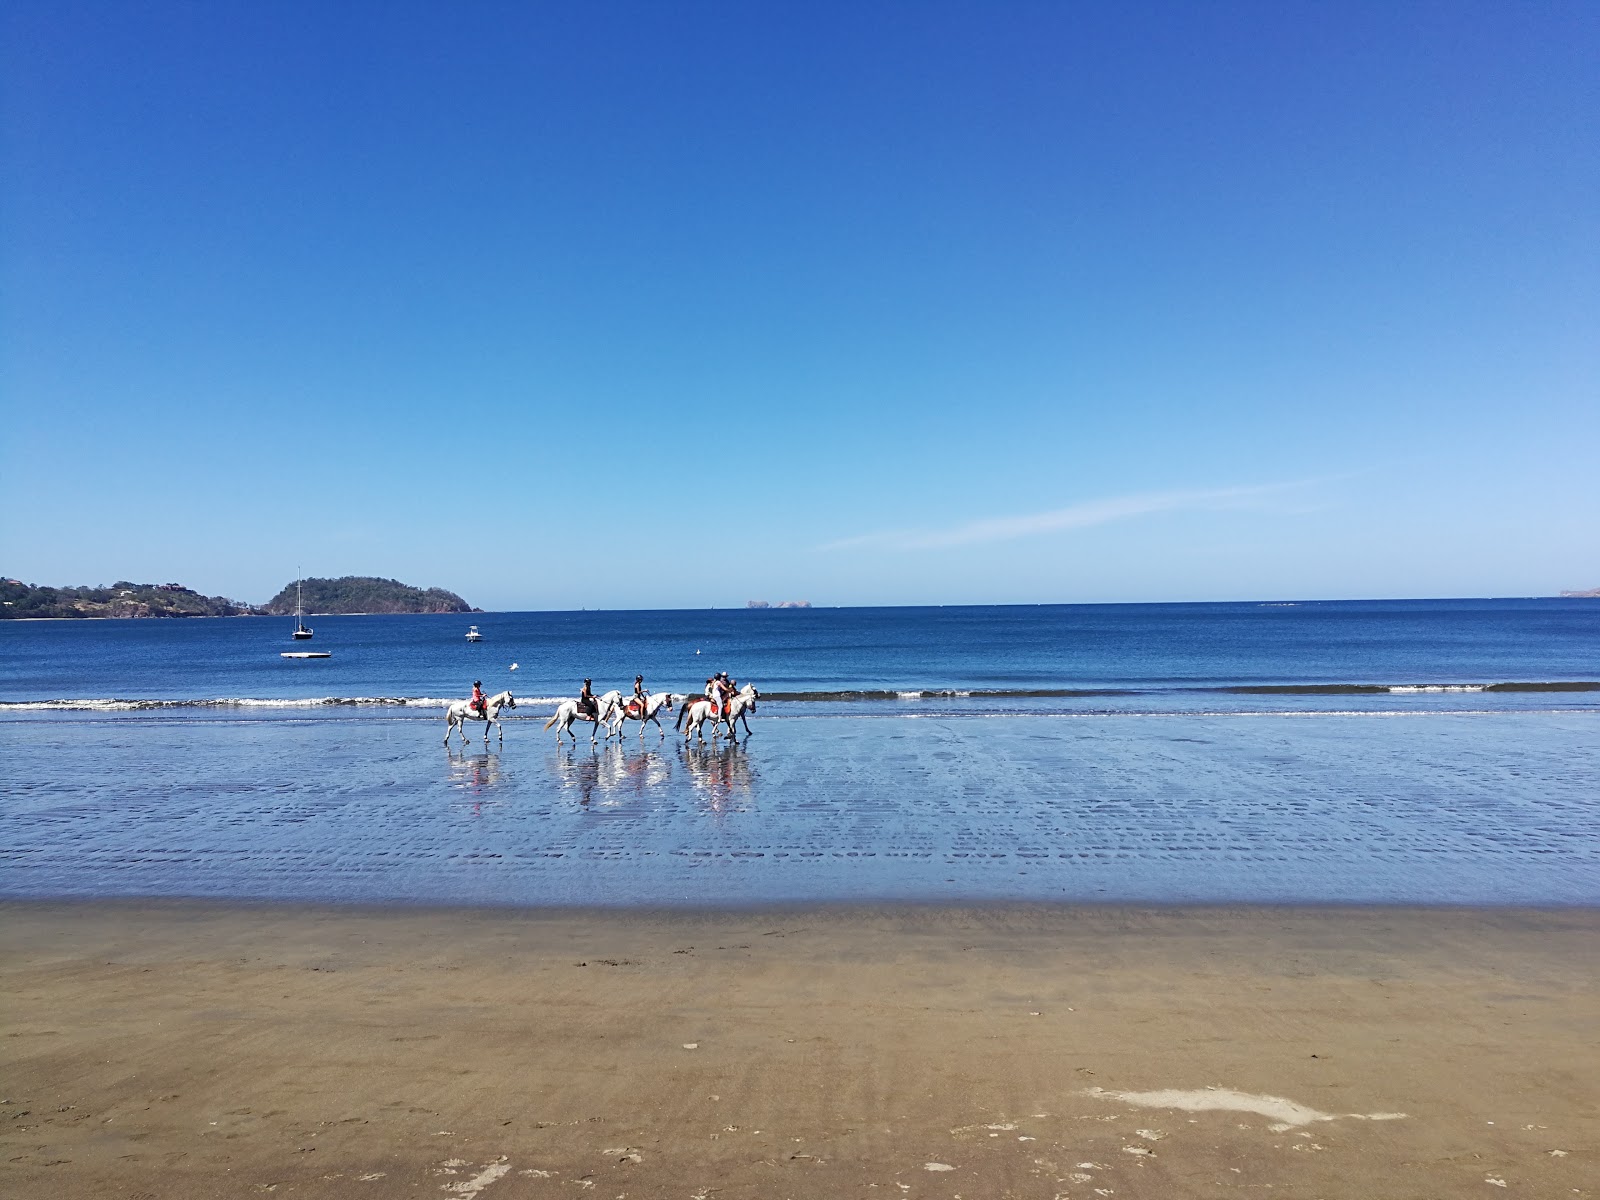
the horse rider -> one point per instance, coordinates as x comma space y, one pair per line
639, 694
586, 700
724, 690
478, 704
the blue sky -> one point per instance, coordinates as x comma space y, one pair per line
660, 305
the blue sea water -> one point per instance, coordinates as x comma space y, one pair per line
1395, 751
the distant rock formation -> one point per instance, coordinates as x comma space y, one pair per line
364, 594
1591, 594
780, 604
121, 599
756, 604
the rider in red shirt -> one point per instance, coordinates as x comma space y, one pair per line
478, 702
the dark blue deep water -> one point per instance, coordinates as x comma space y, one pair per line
1393, 751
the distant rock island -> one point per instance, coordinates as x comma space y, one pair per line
122, 599
364, 594
351, 594
780, 604
1591, 594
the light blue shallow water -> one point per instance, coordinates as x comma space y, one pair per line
1179, 785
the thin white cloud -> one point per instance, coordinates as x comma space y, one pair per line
1076, 516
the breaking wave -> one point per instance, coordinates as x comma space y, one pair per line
1274, 689
243, 702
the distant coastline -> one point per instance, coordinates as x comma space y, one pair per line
349, 595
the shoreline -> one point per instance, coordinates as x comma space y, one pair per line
179, 1047
852, 909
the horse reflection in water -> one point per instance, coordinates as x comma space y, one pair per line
722, 774
611, 771
475, 774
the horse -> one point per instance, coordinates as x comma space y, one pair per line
739, 708
696, 711
568, 712
653, 704
461, 711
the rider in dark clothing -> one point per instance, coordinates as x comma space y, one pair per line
586, 700
639, 693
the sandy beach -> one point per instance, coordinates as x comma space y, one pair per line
178, 1049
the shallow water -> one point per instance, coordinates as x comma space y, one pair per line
362, 805
1405, 751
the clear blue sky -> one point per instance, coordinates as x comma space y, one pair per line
683, 304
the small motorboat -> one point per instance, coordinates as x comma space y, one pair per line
473, 635
306, 654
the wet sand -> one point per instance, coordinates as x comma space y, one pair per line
177, 1049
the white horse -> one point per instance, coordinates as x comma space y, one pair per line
696, 712
654, 702
739, 708
568, 712
461, 711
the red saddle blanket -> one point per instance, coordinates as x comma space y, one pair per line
716, 709
633, 708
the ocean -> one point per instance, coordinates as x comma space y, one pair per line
1407, 752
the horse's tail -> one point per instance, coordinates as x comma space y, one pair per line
683, 711
552, 720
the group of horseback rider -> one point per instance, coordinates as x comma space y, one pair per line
719, 690
590, 707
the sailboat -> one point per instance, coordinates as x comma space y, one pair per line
301, 633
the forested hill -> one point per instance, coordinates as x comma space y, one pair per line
122, 599
365, 594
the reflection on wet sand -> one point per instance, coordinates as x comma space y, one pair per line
474, 772
723, 775
639, 772
609, 770
1476, 808
577, 770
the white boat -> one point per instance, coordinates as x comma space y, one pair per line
473, 635
301, 633
306, 654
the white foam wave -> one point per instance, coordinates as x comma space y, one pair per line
1402, 689
120, 705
